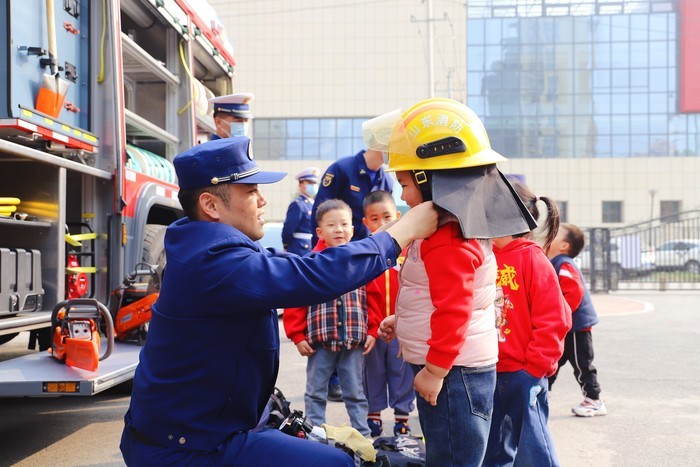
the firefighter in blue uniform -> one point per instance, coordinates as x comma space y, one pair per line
211, 358
352, 178
296, 233
232, 114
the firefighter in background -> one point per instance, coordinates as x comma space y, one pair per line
296, 233
232, 115
350, 179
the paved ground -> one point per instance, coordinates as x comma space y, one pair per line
647, 354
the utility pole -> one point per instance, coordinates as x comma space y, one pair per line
431, 60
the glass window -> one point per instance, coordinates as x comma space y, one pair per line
311, 148
475, 58
604, 124
357, 129
658, 123
278, 149
565, 30
612, 211
510, 29
639, 103
294, 148
639, 79
278, 128
658, 102
601, 79
344, 147
620, 28
311, 128
601, 29
582, 28
602, 57
621, 125
492, 31
659, 146
658, 53
295, 128
620, 146
327, 128
639, 27
475, 84
639, 54
327, 149
658, 80
344, 127
640, 145
475, 32
261, 129
670, 210
621, 54
621, 78
620, 103
492, 59
603, 147
658, 27
261, 148
639, 124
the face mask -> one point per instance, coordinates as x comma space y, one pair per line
311, 190
237, 129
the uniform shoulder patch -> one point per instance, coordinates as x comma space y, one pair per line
328, 179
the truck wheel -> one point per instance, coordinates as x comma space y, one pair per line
7, 338
154, 246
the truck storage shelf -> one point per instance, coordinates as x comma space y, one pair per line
141, 66
39, 374
139, 126
14, 149
9, 222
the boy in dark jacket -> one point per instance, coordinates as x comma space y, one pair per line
578, 345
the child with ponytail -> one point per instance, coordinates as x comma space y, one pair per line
532, 320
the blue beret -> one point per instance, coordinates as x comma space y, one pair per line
226, 160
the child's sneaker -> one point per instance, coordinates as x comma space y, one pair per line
402, 429
590, 408
375, 427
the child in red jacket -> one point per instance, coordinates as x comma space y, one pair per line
388, 379
335, 334
532, 323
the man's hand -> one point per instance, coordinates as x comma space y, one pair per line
305, 349
419, 222
387, 328
369, 344
428, 385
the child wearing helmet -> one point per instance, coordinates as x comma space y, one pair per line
445, 316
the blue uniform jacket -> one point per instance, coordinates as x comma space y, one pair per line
298, 220
348, 179
585, 315
211, 358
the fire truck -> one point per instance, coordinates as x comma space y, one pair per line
96, 99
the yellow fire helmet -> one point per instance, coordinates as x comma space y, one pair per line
434, 134
446, 147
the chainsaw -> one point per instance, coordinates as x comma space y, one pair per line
76, 332
132, 303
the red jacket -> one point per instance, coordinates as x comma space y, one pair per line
534, 318
381, 293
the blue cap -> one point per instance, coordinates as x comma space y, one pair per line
233, 104
226, 160
309, 174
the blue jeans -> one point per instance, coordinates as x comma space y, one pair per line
457, 428
388, 379
519, 433
318, 370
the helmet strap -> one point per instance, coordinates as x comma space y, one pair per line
423, 180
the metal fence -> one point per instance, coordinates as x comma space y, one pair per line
661, 254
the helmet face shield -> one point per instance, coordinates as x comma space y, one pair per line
386, 133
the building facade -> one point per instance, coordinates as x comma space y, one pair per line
592, 101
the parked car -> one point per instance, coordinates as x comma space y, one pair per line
627, 258
681, 254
